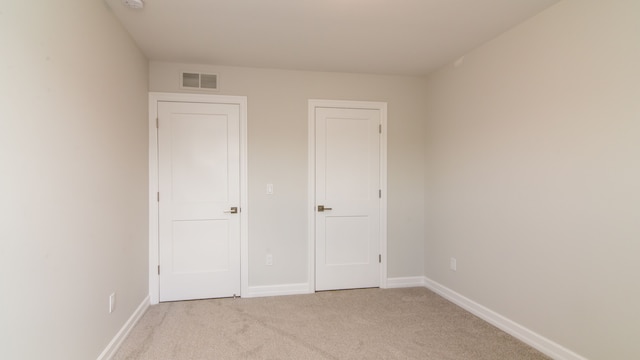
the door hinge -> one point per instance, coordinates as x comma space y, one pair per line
158, 193
380, 258
380, 194
380, 128
158, 269
157, 123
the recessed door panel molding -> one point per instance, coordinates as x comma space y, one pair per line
200, 246
347, 241
347, 156
199, 149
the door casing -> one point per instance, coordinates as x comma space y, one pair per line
154, 98
382, 107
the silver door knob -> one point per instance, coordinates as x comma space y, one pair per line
233, 210
321, 208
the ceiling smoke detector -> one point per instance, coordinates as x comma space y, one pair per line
134, 4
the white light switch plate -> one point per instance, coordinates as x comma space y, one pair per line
112, 302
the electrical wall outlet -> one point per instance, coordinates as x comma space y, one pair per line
453, 264
269, 260
112, 302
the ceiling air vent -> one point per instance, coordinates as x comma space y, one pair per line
190, 80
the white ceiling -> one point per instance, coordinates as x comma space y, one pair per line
400, 37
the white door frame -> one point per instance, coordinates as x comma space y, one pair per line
382, 107
154, 98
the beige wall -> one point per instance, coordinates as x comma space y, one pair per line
532, 176
277, 132
73, 178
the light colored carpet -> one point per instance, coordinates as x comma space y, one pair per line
411, 323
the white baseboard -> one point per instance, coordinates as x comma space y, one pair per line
533, 339
277, 290
115, 343
403, 282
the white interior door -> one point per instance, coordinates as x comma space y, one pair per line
199, 186
347, 159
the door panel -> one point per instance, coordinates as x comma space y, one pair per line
347, 240
347, 153
200, 246
198, 144
348, 183
199, 181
